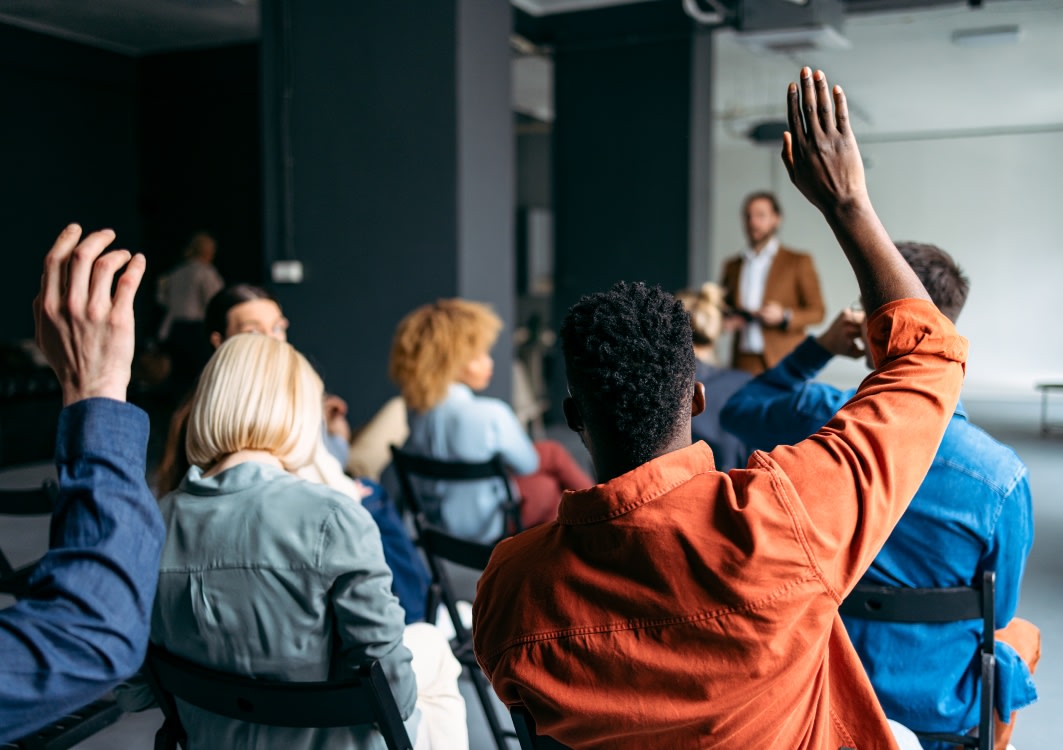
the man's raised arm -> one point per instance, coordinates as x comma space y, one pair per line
84, 624
853, 479
822, 158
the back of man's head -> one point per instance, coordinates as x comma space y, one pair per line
630, 365
944, 280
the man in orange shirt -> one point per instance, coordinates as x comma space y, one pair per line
674, 606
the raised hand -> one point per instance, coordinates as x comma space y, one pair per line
820, 151
844, 336
824, 163
86, 333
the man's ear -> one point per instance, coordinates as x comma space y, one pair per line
697, 404
215, 339
572, 415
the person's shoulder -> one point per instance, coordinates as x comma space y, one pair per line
968, 449
792, 254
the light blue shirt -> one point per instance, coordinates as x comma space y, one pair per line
467, 427
972, 513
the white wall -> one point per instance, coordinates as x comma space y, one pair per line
995, 203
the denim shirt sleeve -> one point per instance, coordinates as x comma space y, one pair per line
781, 406
84, 625
1009, 547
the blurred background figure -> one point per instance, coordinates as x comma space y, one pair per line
772, 291
183, 294
705, 306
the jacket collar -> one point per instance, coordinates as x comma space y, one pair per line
637, 487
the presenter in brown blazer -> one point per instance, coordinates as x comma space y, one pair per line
773, 292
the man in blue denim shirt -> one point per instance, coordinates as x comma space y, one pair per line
972, 513
84, 624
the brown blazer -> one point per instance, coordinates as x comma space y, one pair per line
793, 283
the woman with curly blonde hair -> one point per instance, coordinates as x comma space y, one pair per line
440, 358
705, 307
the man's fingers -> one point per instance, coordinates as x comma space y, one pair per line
53, 280
793, 112
841, 110
129, 283
788, 153
808, 103
824, 108
103, 271
85, 255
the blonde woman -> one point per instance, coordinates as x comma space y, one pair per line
264, 573
705, 307
440, 359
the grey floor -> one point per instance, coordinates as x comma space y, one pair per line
1015, 423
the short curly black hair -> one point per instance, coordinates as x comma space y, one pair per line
630, 364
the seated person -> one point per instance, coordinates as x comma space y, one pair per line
972, 513
440, 357
267, 574
676, 606
705, 307
244, 308
370, 451
83, 625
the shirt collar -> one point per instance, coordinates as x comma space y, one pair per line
767, 253
637, 487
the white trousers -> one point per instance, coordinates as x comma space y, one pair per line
442, 708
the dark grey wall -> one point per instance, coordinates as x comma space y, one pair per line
621, 166
400, 187
200, 157
68, 140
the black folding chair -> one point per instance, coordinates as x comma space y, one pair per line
365, 698
891, 604
72, 729
529, 740
37, 501
409, 467
441, 549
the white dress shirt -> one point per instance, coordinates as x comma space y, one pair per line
751, 281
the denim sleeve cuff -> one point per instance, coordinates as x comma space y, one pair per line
103, 426
909, 326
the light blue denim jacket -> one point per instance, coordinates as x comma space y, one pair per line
270, 575
972, 513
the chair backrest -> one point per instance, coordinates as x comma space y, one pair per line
35, 501
440, 547
410, 465
525, 729
364, 698
894, 604
31, 501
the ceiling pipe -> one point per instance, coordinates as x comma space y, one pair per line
718, 16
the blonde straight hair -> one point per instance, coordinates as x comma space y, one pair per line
256, 393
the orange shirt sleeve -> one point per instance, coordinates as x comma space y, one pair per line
848, 485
